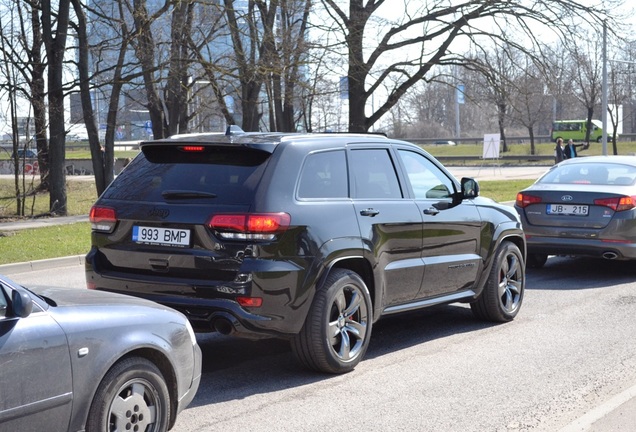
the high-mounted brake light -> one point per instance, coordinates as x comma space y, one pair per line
192, 148
249, 226
617, 203
103, 219
524, 200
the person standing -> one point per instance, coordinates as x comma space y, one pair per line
570, 149
559, 151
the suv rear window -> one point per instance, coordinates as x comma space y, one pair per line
230, 174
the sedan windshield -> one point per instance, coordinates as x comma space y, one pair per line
591, 173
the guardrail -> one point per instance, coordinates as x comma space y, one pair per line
503, 160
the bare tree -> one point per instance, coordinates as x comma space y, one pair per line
287, 51
586, 76
429, 29
529, 103
498, 69
146, 53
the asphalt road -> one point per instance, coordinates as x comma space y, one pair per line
568, 362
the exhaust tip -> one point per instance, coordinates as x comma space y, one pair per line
609, 255
223, 326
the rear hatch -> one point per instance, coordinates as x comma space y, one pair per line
162, 205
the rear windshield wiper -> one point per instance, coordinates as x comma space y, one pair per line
186, 194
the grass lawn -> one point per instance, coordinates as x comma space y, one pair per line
42, 243
57, 241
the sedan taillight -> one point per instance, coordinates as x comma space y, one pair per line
103, 219
249, 226
524, 200
617, 203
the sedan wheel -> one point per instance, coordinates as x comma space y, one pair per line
336, 333
132, 397
502, 296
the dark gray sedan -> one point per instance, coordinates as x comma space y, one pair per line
582, 206
74, 360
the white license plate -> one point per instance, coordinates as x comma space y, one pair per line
567, 209
161, 236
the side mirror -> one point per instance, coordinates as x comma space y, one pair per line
470, 188
21, 303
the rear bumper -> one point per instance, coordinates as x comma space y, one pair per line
577, 246
208, 315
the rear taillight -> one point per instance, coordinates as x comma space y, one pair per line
103, 219
524, 200
249, 226
617, 203
254, 302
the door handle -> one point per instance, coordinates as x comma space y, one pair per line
431, 211
369, 212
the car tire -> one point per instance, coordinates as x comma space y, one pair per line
536, 260
502, 295
337, 330
132, 396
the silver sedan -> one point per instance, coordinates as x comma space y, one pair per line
582, 206
75, 360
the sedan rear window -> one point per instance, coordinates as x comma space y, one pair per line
592, 173
227, 176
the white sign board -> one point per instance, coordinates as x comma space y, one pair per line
491, 146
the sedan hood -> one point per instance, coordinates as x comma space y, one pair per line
84, 297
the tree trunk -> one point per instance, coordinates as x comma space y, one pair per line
38, 100
97, 156
55, 43
178, 79
145, 51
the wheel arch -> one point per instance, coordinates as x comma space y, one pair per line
357, 265
161, 361
514, 236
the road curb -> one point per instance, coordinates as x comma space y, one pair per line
46, 264
619, 410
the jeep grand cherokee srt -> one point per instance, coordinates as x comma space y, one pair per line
309, 237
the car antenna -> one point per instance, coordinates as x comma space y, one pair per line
234, 130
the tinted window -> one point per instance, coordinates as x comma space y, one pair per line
427, 181
324, 175
374, 175
592, 173
231, 175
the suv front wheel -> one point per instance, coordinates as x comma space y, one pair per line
337, 330
501, 298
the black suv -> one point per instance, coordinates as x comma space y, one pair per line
310, 237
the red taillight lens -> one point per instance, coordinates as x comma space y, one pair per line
103, 219
250, 301
192, 148
617, 203
524, 200
249, 226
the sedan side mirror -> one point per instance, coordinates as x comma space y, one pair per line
21, 303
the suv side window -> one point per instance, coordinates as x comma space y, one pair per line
324, 175
427, 181
374, 175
